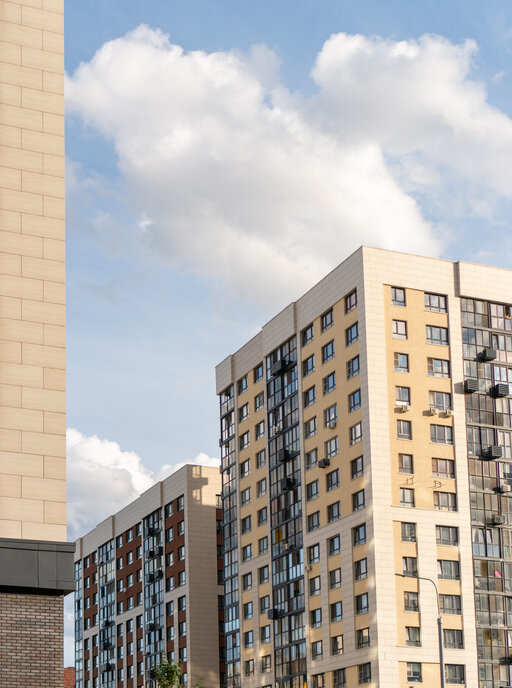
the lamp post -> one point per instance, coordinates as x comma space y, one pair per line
439, 624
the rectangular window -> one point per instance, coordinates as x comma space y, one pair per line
333, 512
358, 500
334, 545
435, 303
443, 468
406, 497
263, 545
354, 400
315, 586
265, 634
247, 581
410, 567
328, 351
310, 427
399, 329
412, 636
331, 416
364, 673
316, 618
337, 649
442, 401
259, 430
408, 532
441, 434
404, 429
314, 553
356, 467
362, 604
356, 434
360, 569
314, 521
262, 516
352, 334
261, 458
311, 458
331, 447
448, 569
244, 440
401, 362
359, 535
245, 496
449, 604
453, 639
245, 468
414, 672
397, 296
334, 579
261, 487
351, 301
332, 480
353, 367
405, 463
445, 501
307, 335
329, 383
437, 335
411, 602
308, 366
402, 396
248, 639
312, 490
317, 651
362, 638
327, 320
242, 385
336, 611
447, 535
258, 373
455, 673
438, 367
309, 396
264, 604
248, 610
246, 525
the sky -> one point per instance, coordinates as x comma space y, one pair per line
222, 156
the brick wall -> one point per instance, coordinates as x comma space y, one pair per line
31, 641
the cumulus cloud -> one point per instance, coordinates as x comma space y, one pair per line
102, 478
233, 177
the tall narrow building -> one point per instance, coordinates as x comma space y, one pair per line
366, 450
36, 563
149, 582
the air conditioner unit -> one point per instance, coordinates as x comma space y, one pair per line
108, 666
490, 453
506, 487
470, 385
154, 599
287, 484
499, 489
159, 574
500, 390
323, 463
107, 623
499, 520
308, 567
279, 367
506, 660
487, 355
332, 424
433, 411
448, 413
152, 626
286, 546
404, 407
151, 577
275, 613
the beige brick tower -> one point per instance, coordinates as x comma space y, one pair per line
34, 558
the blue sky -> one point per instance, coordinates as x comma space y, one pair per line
221, 158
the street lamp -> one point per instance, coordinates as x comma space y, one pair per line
439, 624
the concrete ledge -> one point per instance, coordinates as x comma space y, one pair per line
38, 565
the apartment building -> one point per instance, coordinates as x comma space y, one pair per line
148, 582
36, 563
366, 451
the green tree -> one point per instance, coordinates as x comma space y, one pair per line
168, 674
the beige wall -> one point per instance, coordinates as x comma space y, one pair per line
32, 279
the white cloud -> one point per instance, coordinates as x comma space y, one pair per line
102, 478
234, 178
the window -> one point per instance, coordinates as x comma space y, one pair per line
259, 401
450, 604
336, 611
365, 672
242, 385
247, 552
312, 490
248, 610
362, 605
182, 603
404, 429
333, 512
263, 545
245, 496
354, 400
314, 553
447, 535
412, 636
266, 664
337, 646
445, 501
358, 501
356, 467
248, 639
443, 468
441, 434
329, 383
334, 545
328, 351
401, 362
356, 433
244, 440
351, 301
361, 569
246, 525
169, 534
359, 535
405, 463
259, 430
408, 532
435, 303
442, 401
331, 447
315, 586
262, 516
362, 638
308, 366
402, 396
265, 634
307, 335
261, 459
249, 667
353, 367
414, 672
316, 618
309, 396
455, 673
314, 521
182, 578
410, 566
352, 334
264, 604
334, 579
399, 329
318, 681
406, 496
261, 487
437, 335
311, 458
327, 320
332, 480
397, 296
182, 629
317, 649
310, 427
448, 569
258, 373
411, 602
339, 678
243, 412
438, 367
331, 416
129, 558
245, 468
453, 639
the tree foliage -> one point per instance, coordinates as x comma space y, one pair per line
168, 674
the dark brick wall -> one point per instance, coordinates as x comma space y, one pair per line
31, 641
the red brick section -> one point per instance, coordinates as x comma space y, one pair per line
69, 677
31, 641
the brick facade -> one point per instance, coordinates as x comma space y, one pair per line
31, 633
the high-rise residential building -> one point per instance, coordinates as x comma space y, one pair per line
148, 582
366, 458
36, 563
